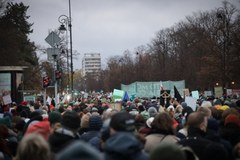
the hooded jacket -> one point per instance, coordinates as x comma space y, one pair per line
124, 145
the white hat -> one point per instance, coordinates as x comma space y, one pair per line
170, 107
149, 121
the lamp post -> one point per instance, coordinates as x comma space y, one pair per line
66, 22
68, 78
54, 75
65, 51
222, 14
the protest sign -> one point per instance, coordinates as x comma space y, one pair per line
7, 99
191, 102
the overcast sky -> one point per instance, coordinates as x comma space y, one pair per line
110, 27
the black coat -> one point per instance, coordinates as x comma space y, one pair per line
60, 139
201, 146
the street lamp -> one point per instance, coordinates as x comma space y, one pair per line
222, 14
55, 78
66, 22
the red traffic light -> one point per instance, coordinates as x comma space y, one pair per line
46, 81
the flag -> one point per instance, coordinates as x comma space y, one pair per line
177, 94
126, 97
161, 86
49, 99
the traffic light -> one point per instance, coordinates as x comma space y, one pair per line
46, 81
58, 74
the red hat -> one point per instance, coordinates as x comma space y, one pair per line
233, 119
51, 107
129, 102
24, 103
41, 127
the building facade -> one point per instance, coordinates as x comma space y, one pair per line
11, 84
91, 63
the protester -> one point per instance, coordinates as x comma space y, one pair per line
19, 128
55, 119
122, 143
197, 127
230, 130
213, 135
84, 123
38, 124
147, 128
33, 146
95, 124
236, 151
183, 132
205, 110
99, 141
8, 136
5, 150
68, 132
161, 131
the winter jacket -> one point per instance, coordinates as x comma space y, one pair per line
60, 139
201, 146
124, 146
152, 140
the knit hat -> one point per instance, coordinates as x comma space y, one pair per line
141, 108
95, 122
213, 124
25, 113
20, 125
122, 121
134, 112
79, 150
232, 119
36, 113
41, 127
94, 109
24, 103
149, 121
206, 104
170, 108
186, 111
184, 104
152, 111
54, 117
6, 121
145, 115
71, 120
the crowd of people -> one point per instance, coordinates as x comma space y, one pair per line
141, 129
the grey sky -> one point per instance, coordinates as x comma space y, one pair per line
110, 27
